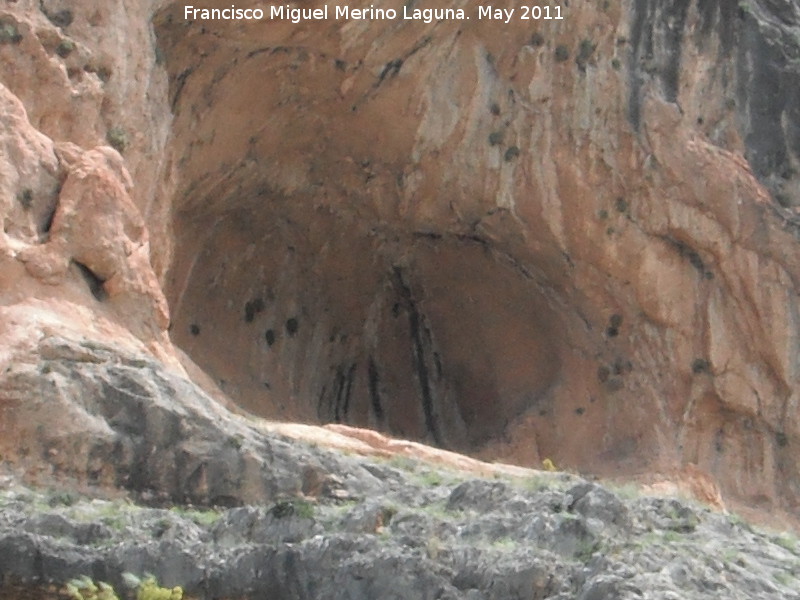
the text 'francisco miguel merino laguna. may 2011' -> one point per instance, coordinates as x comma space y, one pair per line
287, 12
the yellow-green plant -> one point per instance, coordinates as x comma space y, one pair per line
148, 588
84, 588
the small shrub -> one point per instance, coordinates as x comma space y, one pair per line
537, 39
202, 518
9, 34
84, 588
495, 138
117, 138
304, 509
61, 499
616, 64
626, 491
700, 365
562, 53
537, 483
585, 51
786, 542
65, 48
430, 478
103, 73
398, 461
511, 154
586, 550
61, 18
504, 543
730, 555
287, 508
148, 588
671, 536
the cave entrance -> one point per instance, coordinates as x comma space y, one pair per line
316, 276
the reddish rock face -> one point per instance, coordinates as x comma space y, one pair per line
571, 240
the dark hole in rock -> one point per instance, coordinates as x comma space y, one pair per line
252, 308
25, 198
47, 222
60, 18
292, 326
93, 281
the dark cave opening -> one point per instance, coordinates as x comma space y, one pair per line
319, 298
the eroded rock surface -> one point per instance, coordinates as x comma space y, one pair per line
420, 533
90, 414
572, 240
569, 240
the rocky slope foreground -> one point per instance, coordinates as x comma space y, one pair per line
572, 240
398, 529
415, 534
307, 522
310, 523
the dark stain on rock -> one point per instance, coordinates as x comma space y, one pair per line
252, 308
419, 356
292, 325
373, 379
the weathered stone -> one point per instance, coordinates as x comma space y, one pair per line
590, 261
426, 552
478, 495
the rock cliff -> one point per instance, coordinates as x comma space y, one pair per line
571, 239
